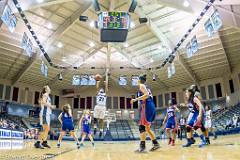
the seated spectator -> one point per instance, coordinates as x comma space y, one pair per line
235, 120
228, 124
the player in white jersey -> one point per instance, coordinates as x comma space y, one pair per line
44, 117
100, 108
208, 123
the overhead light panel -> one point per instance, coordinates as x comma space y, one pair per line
132, 25
40, 1
49, 26
125, 45
59, 45
91, 44
186, 3
92, 24
151, 60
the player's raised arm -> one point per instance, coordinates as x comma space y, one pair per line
145, 92
97, 86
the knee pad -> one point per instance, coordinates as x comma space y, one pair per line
195, 127
203, 129
142, 129
95, 120
189, 129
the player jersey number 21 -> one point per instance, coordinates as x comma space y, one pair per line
101, 99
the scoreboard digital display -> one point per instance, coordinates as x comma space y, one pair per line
114, 26
114, 20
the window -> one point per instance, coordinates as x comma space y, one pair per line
160, 101
109, 102
218, 90
167, 97
36, 97
57, 101
89, 102
122, 102
231, 86
181, 97
75, 103
94, 101
15, 94
135, 104
174, 95
82, 103
128, 103
203, 92
211, 92
1, 91
30, 97
155, 100
115, 102
8, 92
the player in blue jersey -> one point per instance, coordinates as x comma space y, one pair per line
171, 120
196, 116
66, 120
147, 114
44, 117
85, 124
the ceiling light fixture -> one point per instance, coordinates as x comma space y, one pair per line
50, 26
91, 24
125, 45
64, 59
40, 1
91, 44
59, 45
186, 3
151, 60
132, 25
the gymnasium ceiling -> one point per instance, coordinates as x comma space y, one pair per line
67, 40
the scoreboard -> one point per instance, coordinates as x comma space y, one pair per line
114, 20
114, 26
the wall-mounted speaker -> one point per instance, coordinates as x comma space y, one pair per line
143, 20
133, 6
83, 18
96, 5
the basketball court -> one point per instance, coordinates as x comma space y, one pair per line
119, 66
227, 147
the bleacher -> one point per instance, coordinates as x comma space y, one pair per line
219, 122
125, 129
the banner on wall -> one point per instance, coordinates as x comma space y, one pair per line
9, 19
213, 24
209, 28
194, 45
44, 69
171, 70
27, 44
9, 134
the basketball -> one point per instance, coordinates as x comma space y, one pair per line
98, 77
89, 79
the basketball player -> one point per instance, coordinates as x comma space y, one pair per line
85, 123
208, 123
182, 126
66, 120
100, 108
196, 116
44, 116
147, 114
171, 124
